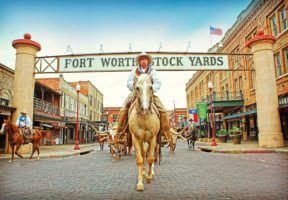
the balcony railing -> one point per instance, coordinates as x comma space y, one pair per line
46, 107
223, 96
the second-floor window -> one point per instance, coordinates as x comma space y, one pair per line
241, 83
283, 19
273, 26
91, 100
67, 98
115, 118
278, 65
285, 51
236, 85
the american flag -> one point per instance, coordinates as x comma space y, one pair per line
215, 31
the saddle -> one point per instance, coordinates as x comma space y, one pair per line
27, 135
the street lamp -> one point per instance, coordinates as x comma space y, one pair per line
174, 115
210, 87
77, 122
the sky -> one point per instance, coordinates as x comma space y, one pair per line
113, 24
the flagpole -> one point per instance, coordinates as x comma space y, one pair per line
210, 37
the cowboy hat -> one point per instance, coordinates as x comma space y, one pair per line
144, 54
24, 111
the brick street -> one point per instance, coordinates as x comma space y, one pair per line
184, 175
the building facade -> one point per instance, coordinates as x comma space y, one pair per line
178, 117
68, 109
234, 91
110, 115
6, 109
95, 99
46, 114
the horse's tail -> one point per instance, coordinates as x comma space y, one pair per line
160, 155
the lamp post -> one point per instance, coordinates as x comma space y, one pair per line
77, 122
210, 87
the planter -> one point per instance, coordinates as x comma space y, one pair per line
236, 139
222, 138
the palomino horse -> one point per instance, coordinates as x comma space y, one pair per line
144, 126
15, 138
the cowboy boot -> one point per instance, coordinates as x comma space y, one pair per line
122, 122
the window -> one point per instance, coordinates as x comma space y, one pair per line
283, 20
63, 100
115, 118
67, 101
4, 102
285, 51
241, 83
73, 104
91, 100
236, 85
278, 65
252, 80
273, 26
249, 37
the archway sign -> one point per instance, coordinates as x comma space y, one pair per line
162, 61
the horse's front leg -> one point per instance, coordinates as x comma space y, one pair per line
12, 152
16, 151
139, 162
152, 148
144, 147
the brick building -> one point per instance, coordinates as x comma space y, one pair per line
6, 109
234, 91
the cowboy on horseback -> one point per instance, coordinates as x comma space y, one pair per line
144, 60
24, 123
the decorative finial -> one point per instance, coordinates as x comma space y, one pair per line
260, 32
27, 36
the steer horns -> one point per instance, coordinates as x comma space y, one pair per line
177, 134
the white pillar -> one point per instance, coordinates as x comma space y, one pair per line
24, 80
266, 91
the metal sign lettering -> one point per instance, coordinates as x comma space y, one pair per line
163, 62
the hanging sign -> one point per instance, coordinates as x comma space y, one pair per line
161, 62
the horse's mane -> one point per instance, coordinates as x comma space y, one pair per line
13, 126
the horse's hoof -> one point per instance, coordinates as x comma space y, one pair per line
149, 179
38, 158
10, 160
140, 187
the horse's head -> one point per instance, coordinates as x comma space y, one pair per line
5, 126
144, 92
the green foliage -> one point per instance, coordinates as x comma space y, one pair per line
222, 131
234, 130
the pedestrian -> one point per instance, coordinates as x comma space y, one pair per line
193, 137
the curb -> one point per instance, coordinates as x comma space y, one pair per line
236, 151
51, 156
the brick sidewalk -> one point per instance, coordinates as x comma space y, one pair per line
58, 151
244, 147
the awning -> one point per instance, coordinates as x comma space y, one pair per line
240, 114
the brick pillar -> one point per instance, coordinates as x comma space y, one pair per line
266, 91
